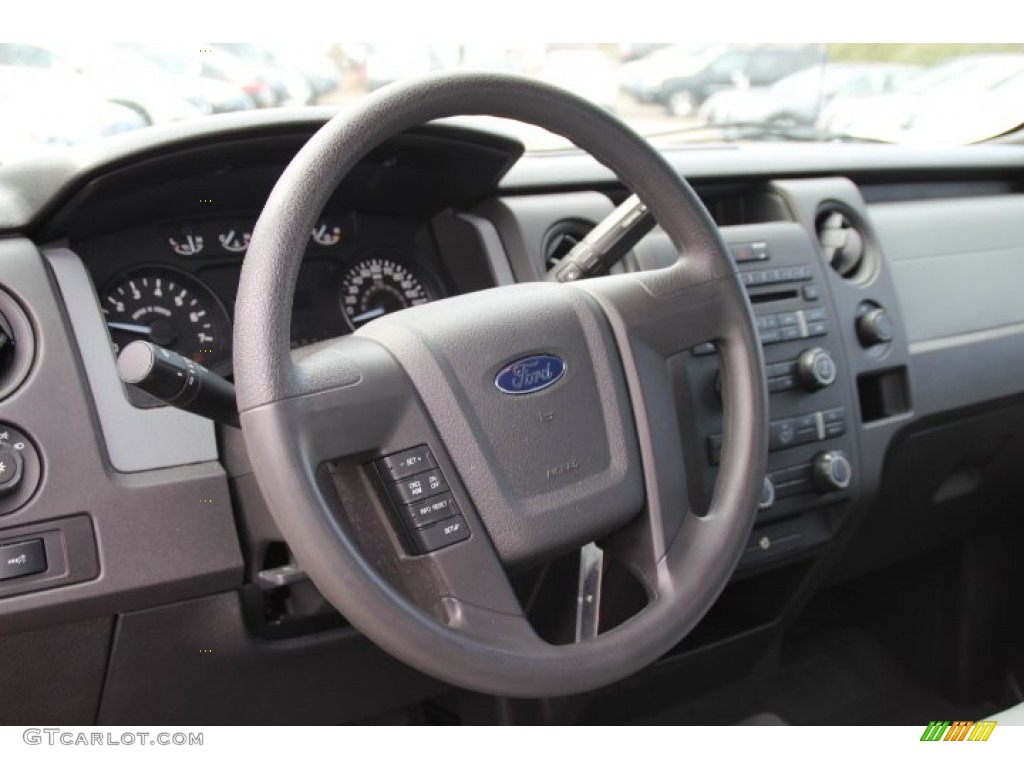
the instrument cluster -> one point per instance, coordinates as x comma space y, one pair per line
175, 284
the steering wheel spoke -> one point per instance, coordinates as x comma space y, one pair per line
476, 594
655, 318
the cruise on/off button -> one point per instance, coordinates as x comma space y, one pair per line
421, 486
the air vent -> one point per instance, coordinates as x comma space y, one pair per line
842, 241
17, 345
561, 239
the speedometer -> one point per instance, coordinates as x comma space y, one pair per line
377, 286
169, 308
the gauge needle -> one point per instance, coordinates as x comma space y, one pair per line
373, 313
142, 330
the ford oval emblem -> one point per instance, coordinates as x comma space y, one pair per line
530, 374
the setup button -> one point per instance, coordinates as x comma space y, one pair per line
441, 534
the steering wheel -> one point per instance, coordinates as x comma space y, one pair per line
582, 446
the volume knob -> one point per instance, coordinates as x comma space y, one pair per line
831, 471
815, 369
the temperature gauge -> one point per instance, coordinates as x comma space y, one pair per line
185, 242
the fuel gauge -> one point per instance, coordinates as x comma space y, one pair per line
327, 233
185, 241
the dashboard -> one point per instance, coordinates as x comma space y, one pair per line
884, 283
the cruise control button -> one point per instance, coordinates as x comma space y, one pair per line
438, 535
22, 559
430, 510
406, 463
421, 486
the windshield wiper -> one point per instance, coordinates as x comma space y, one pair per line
751, 131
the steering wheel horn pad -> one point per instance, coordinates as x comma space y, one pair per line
597, 455
548, 471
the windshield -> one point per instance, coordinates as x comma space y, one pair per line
672, 93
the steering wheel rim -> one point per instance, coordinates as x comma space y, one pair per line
401, 374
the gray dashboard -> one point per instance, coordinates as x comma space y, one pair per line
153, 507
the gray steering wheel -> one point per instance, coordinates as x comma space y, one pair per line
595, 456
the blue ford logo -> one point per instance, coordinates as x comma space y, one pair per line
530, 374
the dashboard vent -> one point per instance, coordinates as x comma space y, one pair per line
841, 241
561, 239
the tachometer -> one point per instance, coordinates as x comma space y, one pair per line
375, 287
169, 308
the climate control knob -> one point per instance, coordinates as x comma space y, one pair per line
874, 326
831, 471
815, 369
